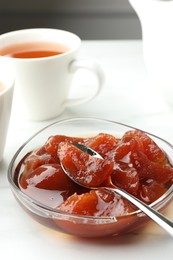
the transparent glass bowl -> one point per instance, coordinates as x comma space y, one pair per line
76, 224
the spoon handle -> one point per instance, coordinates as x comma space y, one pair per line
162, 221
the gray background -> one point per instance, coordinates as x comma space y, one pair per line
90, 19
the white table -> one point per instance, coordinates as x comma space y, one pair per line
128, 98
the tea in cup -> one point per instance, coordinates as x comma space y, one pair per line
44, 63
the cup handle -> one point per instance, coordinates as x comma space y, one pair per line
94, 68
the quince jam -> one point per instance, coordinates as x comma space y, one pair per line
133, 162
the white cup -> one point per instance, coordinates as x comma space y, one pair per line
43, 84
6, 95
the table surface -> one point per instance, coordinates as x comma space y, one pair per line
127, 97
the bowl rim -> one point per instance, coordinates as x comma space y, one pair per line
54, 211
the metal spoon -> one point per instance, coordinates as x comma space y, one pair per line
157, 217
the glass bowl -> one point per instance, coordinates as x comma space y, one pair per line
71, 223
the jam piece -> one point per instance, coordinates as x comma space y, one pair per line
126, 178
51, 146
139, 151
124, 151
151, 191
49, 177
125, 174
97, 203
36, 159
104, 144
146, 145
160, 172
86, 170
